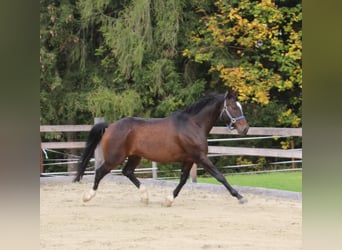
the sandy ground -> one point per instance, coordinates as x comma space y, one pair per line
198, 219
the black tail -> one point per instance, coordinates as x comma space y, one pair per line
94, 138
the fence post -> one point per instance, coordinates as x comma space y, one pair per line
193, 173
154, 170
71, 167
292, 147
98, 154
41, 158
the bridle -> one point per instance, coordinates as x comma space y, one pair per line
232, 119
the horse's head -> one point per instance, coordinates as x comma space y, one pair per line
232, 114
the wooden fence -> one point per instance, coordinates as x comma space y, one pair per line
288, 153
268, 152
253, 131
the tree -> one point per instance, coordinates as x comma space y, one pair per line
138, 56
254, 47
63, 88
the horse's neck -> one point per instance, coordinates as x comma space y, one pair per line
206, 118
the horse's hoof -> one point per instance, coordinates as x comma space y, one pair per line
168, 201
243, 200
89, 195
143, 194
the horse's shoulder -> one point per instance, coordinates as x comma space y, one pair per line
130, 120
134, 122
183, 121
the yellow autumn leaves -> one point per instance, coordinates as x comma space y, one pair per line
254, 46
251, 83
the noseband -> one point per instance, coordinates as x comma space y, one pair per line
233, 120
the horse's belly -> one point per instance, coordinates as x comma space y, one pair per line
163, 156
159, 151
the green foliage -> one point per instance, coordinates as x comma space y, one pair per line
62, 84
113, 106
88, 47
129, 36
167, 19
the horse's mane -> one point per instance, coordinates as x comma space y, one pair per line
196, 107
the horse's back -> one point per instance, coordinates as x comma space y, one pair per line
131, 129
157, 139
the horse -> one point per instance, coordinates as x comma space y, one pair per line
179, 137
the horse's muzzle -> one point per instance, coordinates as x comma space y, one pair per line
242, 127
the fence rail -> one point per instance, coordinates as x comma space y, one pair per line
61, 145
65, 128
260, 132
214, 130
267, 152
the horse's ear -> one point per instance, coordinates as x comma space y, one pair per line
231, 93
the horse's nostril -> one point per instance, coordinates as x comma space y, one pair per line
245, 130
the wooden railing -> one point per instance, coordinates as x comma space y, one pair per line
288, 153
267, 152
224, 150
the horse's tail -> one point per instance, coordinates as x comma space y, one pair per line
94, 138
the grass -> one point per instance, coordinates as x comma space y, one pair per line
291, 181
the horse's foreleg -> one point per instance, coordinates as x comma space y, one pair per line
128, 171
184, 176
210, 167
99, 174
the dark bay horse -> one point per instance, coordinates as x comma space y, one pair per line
180, 137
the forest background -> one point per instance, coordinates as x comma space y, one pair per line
149, 58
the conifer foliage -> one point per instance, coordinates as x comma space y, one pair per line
151, 57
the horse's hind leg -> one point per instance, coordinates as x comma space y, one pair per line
128, 171
184, 176
99, 174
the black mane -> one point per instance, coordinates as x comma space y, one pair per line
196, 107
